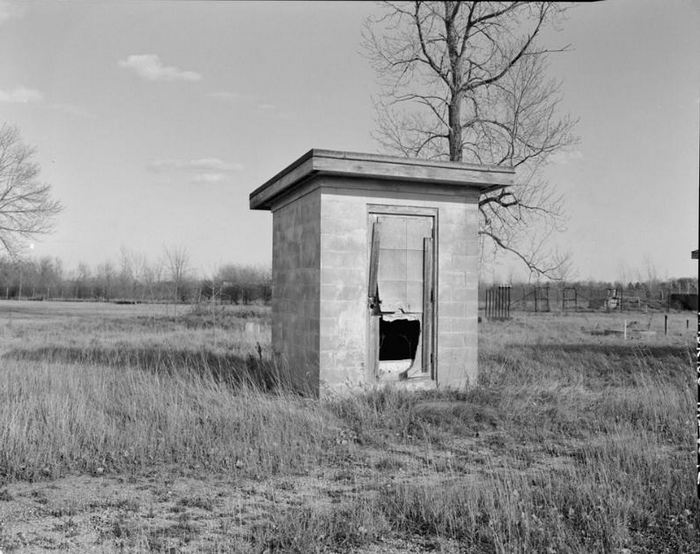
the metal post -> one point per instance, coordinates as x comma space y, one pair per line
665, 324
563, 299
535, 299
697, 407
494, 292
508, 301
502, 298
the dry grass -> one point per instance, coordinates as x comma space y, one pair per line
60, 418
571, 442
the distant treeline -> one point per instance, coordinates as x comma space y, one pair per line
133, 279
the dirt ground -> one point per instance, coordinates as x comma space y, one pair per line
192, 511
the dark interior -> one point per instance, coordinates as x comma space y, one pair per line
398, 339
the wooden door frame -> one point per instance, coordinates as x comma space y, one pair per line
398, 210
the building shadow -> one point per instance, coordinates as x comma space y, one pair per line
253, 370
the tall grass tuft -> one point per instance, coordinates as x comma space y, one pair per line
59, 418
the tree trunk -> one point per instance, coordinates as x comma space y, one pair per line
455, 133
456, 94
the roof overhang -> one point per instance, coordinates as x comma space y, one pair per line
483, 178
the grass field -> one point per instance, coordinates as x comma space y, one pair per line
147, 428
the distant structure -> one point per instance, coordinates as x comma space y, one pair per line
684, 301
375, 268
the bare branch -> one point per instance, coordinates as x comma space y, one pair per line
26, 206
468, 81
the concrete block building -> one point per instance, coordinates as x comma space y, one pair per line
375, 268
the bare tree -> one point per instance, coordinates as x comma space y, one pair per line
105, 277
26, 207
151, 275
466, 81
83, 281
178, 262
131, 265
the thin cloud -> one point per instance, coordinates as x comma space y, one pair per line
10, 10
71, 109
225, 95
201, 170
266, 108
200, 164
21, 95
151, 68
208, 178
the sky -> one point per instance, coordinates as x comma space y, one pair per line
153, 121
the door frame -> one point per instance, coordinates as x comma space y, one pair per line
394, 209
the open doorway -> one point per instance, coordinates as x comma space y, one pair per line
401, 296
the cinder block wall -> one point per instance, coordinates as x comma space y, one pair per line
344, 265
343, 290
296, 287
458, 288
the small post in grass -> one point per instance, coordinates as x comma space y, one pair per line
624, 330
695, 254
697, 406
665, 324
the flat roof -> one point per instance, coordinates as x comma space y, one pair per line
354, 164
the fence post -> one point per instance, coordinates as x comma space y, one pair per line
665, 324
563, 298
535, 290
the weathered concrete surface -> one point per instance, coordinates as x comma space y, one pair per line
345, 235
321, 237
296, 286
